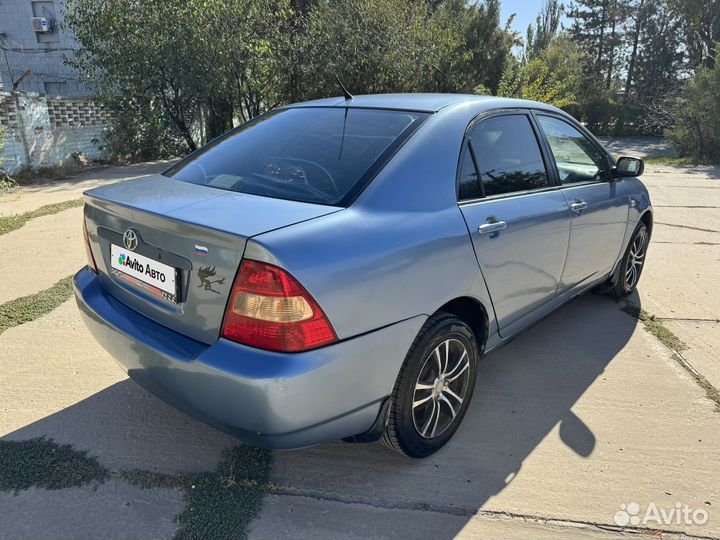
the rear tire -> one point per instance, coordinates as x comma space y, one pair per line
632, 263
434, 387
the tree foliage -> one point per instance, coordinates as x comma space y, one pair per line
547, 26
554, 76
696, 112
179, 72
196, 67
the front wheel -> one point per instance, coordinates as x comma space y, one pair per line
434, 388
632, 264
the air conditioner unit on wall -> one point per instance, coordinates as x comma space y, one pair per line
42, 24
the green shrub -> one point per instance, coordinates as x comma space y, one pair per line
139, 131
696, 113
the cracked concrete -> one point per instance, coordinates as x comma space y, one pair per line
679, 283
84, 513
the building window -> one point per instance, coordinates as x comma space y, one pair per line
55, 88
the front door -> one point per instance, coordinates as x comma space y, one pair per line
519, 224
599, 206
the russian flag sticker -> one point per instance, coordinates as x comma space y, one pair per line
201, 250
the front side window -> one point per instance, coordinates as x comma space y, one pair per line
577, 158
508, 155
314, 154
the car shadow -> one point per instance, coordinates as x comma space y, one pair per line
523, 391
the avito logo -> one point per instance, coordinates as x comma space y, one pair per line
131, 263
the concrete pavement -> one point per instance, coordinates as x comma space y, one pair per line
680, 281
25, 198
577, 416
642, 147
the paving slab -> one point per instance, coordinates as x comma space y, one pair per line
85, 512
680, 281
690, 219
26, 198
703, 346
42, 252
300, 517
569, 421
58, 382
683, 185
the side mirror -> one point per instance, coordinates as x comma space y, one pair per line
628, 166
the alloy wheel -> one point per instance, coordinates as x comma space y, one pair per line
636, 259
441, 388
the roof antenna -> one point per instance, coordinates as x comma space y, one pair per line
348, 95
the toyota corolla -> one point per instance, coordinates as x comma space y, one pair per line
336, 269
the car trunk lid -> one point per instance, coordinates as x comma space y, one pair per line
195, 234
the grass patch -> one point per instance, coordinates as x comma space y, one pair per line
219, 504
28, 308
676, 345
45, 464
655, 327
12, 223
668, 160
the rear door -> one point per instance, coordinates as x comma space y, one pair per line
518, 220
599, 205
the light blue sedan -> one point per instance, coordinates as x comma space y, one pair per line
336, 269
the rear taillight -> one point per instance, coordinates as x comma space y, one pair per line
88, 249
270, 310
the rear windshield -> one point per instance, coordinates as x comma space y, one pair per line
314, 154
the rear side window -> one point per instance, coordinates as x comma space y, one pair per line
469, 183
508, 155
320, 155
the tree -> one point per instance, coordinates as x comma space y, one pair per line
555, 76
547, 26
656, 61
597, 28
214, 59
375, 46
696, 112
484, 45
701, 26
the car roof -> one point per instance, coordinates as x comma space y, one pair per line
422, 102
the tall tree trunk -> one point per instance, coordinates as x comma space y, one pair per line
601, 39
611, 52
620, 125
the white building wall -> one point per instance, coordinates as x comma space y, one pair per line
21, 48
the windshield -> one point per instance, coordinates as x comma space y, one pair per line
315, 154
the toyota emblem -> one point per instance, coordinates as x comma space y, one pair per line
130, 239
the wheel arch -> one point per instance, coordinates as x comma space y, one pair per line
647, 219
474, 313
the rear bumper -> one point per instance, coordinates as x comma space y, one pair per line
264, 398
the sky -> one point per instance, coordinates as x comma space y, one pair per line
526, 11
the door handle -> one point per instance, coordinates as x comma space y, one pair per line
578, 206
495, 226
